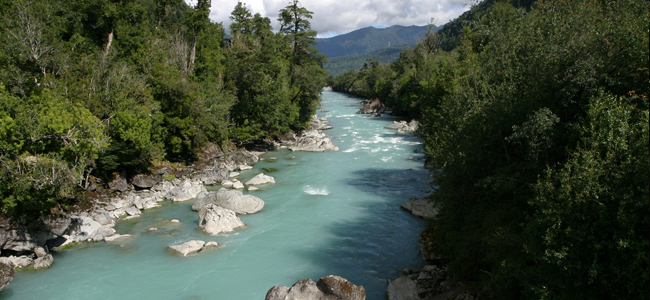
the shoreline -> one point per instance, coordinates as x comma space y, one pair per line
29, 247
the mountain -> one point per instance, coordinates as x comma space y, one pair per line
342, 64
369, 39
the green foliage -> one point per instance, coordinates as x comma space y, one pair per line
535, 129
103, 86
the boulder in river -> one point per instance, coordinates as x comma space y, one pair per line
230, 199
6, 275
189, 247
374, 108
260, 179
330, 287
214, 219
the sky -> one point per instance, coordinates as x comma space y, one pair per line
334, 17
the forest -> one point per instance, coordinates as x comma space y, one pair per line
535, 127
96, 87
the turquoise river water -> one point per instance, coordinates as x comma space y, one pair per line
328, 213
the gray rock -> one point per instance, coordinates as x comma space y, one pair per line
186, 191
210, 151
211, 245
214, 219
57, 226
6, 275
40, 251
374, 108
21, 240
86, 228
145, 181
103, 219
118, 183
133, 211
189, 247
18, 262
231, 199
403, 288
237, 185
260, 179
44, 262
118, 238
211, 177
421, 207
244, 158
327, 288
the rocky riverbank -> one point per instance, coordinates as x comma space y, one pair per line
432, 282
28, 244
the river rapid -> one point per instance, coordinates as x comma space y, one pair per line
332, 213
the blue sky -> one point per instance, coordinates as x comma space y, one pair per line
333, 17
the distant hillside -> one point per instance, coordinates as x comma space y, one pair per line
369, 39
342, 64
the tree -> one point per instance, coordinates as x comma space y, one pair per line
306, 72
197, 20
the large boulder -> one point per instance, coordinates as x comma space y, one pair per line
209, 151
21, 240
6, 275
422, 208
185, 191
373, 108
189, 247
260, 179
310, 141
118, 183
214, 219
243, 158
327, 288
145, 181
44, 262
230, 199
211, 176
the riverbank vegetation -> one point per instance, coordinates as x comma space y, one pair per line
536, 131
89, 88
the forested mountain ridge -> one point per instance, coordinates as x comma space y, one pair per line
536, 129
89, 88
369, 39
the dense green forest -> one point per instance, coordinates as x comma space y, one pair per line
92, 87
536, 130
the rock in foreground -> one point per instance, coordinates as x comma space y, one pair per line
327, 288
214, 219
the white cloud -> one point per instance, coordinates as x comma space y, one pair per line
333, 17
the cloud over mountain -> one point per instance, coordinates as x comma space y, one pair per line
333, 17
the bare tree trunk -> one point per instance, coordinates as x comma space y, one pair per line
192, 56
110, 41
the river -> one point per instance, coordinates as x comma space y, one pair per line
328, 213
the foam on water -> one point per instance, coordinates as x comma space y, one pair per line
308, 189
